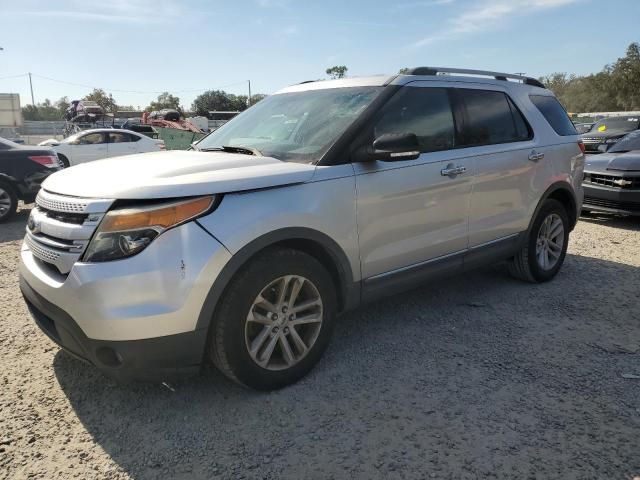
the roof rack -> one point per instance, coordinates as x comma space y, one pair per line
463, 71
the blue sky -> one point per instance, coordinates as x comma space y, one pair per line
189, 46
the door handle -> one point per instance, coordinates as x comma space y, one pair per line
452, 171
536, 156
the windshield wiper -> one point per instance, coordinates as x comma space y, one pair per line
233, 149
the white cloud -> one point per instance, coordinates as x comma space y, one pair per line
487, 15
112, 11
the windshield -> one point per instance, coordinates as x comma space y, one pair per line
626, 124
627, 143
294, 127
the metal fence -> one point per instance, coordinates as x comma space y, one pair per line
39, 127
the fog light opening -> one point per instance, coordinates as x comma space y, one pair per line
109, 357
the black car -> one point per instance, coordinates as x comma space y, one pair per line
608, 131
612, 180
22, 170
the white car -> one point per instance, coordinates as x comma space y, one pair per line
99, 143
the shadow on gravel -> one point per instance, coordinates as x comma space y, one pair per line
14, 228
472, 377
613, 221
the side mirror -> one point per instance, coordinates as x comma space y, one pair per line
391, 147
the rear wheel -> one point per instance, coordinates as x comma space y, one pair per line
8, 201
541, 258
64, 160
274, 321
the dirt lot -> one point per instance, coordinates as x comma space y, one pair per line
475, 377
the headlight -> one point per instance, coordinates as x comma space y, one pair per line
612, 140
127, 231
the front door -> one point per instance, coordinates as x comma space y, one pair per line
414, 211
89, 147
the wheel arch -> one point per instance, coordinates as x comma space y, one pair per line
562, 192
309, 241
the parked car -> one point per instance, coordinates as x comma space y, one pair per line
606, 132
584, 127
99, 143
22, 170
243, 250
612, 180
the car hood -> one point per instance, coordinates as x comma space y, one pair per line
624, 162
173, 174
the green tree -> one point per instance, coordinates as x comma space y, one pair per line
107, 102
165, 100
45, 110
256, 97
337, 71
625, 76
221, 101
61, 105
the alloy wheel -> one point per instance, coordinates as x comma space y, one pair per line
5, 203
550, 242
284, 322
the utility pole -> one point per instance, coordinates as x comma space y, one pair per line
249, 99
33, 102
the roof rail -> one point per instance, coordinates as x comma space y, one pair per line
463, 71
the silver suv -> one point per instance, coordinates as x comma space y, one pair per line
323, 196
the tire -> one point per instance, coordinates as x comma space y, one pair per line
8, 201
240, 321
64, 160
526, 264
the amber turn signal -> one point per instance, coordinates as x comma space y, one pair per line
161, 216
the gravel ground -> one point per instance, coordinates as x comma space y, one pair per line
474, 377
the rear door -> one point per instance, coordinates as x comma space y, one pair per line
496, 135
89, 147
412, 211
121, 143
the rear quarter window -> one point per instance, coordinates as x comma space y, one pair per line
554, 113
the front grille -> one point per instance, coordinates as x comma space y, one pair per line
614, 204
610, 181
590, 140
76, 218
60, 228
51, 202
43, 253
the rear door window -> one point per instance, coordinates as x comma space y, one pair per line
490, 118
91, 139
554, 113
424, 111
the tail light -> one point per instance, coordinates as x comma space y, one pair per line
161, 145
581, 145
49, 161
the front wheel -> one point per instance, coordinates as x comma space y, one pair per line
274, 321
542, 256
8, 201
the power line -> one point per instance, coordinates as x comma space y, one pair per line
14, 76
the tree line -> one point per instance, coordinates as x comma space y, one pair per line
615, 88
208, 101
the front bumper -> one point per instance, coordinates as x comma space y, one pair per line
611, 200
130, 317
155, 359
